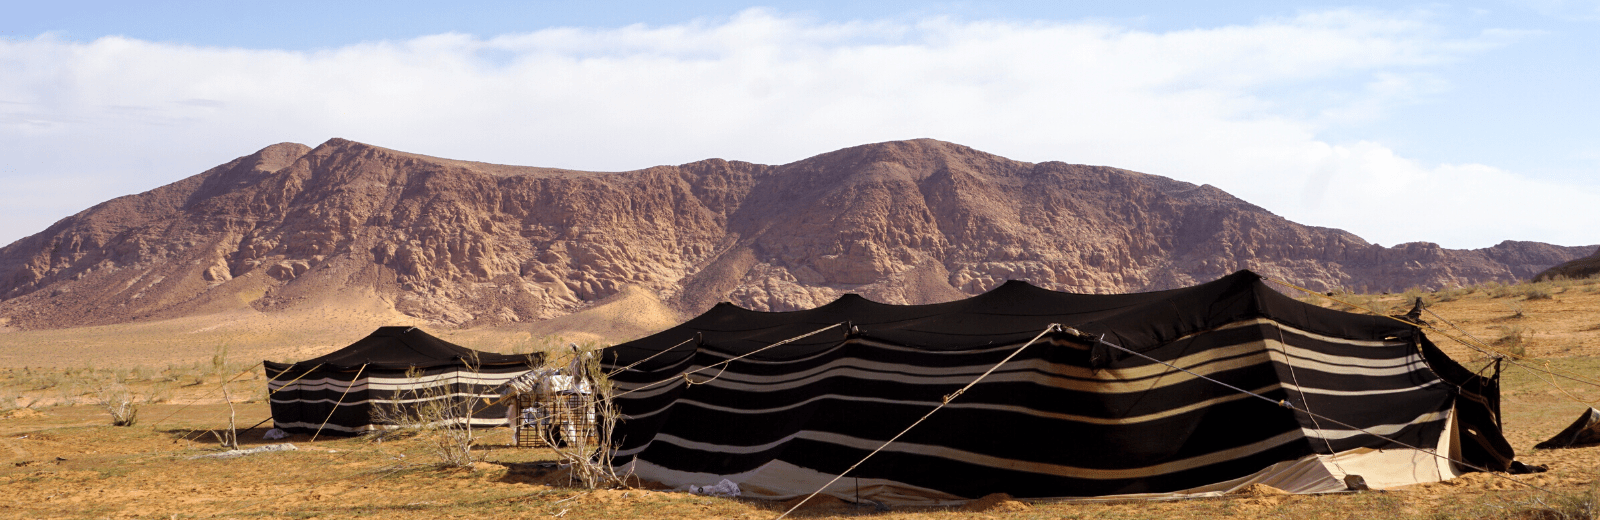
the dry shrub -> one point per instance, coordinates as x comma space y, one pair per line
1516, 310
1414, 293
118, 401
160, 392
1513, 339
219, 358
544, 343
435, 414
1450, 295
44, 379
8, 401
1360, 303
589, 454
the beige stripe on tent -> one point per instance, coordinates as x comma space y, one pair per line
1382, 429
1208, 362
954, 375
405, 383
1351, 393
1204, 363
1135, 419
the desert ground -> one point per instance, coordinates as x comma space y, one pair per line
65, 459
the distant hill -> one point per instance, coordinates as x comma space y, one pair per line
1579, 268
472, 244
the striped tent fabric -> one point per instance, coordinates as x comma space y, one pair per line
1081, 412
394, 366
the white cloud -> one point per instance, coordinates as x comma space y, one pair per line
1239, 107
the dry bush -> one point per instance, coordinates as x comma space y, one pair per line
1516, 311
1411, 295
545, 343
1378, 305
589, 454
1357, 302
228, 438
8, 401
435, 414
1450, 295
118, 401
1513, 339
160, 392
171, 374
1537, 292
192, 374
43, 379
1494, 289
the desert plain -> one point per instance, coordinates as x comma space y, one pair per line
63, 458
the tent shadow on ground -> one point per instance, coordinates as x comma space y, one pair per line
257, 437
553, 475
247, 437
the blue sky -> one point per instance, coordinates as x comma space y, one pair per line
1458, 123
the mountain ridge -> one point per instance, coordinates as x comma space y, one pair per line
469, 243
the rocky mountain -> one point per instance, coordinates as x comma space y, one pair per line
473, 244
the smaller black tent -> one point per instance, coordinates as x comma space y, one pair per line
391, 366
1585, 430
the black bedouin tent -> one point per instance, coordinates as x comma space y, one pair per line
1585, 430
392, 366
1072, 415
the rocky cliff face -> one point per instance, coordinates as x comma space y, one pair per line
471, 243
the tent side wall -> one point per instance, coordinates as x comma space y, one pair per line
1044, 425
1063, 419
302, 401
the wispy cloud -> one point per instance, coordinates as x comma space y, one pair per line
1240, 107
